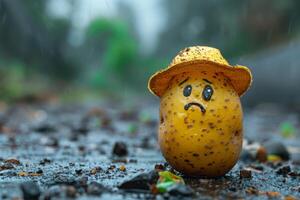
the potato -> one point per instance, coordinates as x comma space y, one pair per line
201, 118
201, 131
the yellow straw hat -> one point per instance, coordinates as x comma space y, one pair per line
200, 58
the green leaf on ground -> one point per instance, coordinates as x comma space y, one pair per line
287, 129
167, 180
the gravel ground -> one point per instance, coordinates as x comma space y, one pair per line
109, 151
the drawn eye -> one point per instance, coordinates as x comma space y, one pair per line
207, 92
187, 90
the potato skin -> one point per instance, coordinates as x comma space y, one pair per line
201, 143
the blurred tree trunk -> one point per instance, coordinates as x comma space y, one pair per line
26, 36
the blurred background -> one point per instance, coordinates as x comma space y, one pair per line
76, 50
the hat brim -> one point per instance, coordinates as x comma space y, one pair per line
240, 76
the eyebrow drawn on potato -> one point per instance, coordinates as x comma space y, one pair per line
182, 82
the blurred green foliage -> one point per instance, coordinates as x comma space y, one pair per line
118, 50
18, 81
109, 57
287, 129
10, 81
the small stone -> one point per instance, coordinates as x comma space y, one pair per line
122, 168
141, 181
13, 161
261, 154
95, 170
45, 128
95, 188
66, 179
22, 173
45, 161
39, 171
244, 173
284, 170
82, 148
78, 171
159, 167
31, 190
252, 190
120, 149
111, 167
71, 191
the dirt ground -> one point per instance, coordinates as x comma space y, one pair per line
110, 151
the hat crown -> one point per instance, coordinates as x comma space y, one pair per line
199, 53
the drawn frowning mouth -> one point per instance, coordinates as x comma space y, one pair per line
188, 105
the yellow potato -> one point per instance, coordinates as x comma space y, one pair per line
198, 135
201, 130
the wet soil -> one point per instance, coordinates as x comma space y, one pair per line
90, 151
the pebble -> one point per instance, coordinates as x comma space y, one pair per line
78, 171
244, 173
13, 161
95, 188
61, 178
71, 191
120, 149
45, 161
122, 168
45, 128
261, 154
141, 181
95, 170
159, 167
284, 170
31, 190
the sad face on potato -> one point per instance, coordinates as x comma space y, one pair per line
201, 129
